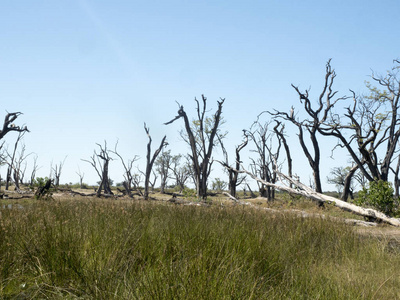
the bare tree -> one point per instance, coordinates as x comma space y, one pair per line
326, 101
279, 130
81, 176
370, 128
19, 167
128, 176
100, 162
201, 147
267, 157
9, 126
136, 180
150, 161
35, 168
11, 162
153, 183
234, 179
57, 172
302, 189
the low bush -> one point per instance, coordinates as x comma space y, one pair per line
379, 195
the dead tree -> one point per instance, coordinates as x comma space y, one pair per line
35, 168
311, 125
370, 128
136, 180
81, 176
19, 167
304, 190
57, 172
234, 180
100, 162
153, 183
150, 161
128, 176
9, 126
267, 158
13, 170
201, 141
279, 130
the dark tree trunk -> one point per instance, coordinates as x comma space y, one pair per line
347, 191
8, 177
150, 162
202, 168
233, 174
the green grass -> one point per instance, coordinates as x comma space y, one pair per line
140, 250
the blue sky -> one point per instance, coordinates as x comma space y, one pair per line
87, 71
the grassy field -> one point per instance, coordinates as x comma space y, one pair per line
124, 249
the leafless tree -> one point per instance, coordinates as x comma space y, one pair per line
9, 126
279, 130
153, 183
136, 181
150, 160
316, 116
19, 167
201, 142
57, 172
128, 176
370, 128
234, 179
35, 168
81, 176
12, 163
265, 164
100, 162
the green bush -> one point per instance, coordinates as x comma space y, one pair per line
189, 193
379, 195
40, 182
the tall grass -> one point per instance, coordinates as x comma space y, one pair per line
137, 250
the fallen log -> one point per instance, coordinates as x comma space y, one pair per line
303, 190
302, 214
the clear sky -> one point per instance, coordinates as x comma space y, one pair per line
86, 71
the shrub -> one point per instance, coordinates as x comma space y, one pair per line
379, 195
189, 193
40, 181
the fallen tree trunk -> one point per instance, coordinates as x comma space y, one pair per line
301, 213
303, 190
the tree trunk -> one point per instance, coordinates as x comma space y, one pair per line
150, 162
303, 190
347, 184
8, 177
